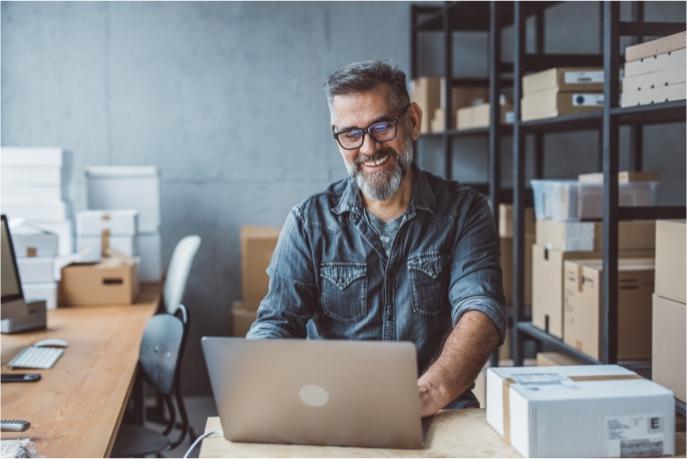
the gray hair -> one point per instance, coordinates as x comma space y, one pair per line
364, 76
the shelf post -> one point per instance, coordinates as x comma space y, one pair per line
609, 317
448, 74
637, 131
518, 185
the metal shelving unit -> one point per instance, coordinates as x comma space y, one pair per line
608, 122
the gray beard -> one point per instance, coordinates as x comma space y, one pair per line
381, 185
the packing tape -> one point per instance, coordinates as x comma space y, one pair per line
31, 252
104, 242
507, 382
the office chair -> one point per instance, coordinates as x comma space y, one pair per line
159, 362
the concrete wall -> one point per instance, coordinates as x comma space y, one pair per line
226, 99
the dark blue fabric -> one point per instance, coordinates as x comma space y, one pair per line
330, 277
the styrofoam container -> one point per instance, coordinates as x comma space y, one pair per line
126, 187
150, 268
123, 244
31, 241
64, 231
45, 291
117, 222
580, 411
35, 210
30, 156
36, 269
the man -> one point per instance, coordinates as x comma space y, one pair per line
391, 253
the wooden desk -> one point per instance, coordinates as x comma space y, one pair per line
76, 408
453, 433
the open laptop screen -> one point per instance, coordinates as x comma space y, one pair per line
11, 287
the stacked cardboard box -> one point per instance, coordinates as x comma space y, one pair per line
257, 246
562, 91
104, 231
555, 359
548, 262
429, 94
655, 71
34, 187
36, 251
669, 309
132, 187
478, 116
111, 281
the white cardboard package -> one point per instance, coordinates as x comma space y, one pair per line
117, 222
32, 209
46, 291
126, 187
580, 411
148, 246
30, 241
126, 245
36, 269
34, 191
31, 156
63, 229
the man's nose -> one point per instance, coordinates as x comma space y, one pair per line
369, 146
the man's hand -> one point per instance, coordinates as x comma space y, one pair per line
430, 402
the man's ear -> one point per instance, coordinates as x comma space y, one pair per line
415, 118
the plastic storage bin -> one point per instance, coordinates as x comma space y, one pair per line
555, 199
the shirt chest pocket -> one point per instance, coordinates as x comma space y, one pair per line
344, 290
428, 282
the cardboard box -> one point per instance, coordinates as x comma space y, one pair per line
468, 96
547, 286
242, 317
564, 79
33, 191
148, 246
36, 210
580, 411
30, 241
668, 344
115, 222
597, 178
125, 245
653, 47
653, 80
31, 175
63, 229
506, 248
130, 187
46, 291
551, 103
656, 63
112, 281
588, 236
670, 260
426, 93
654, 96
556, 359
506, 220
582, 306
257, 245
31, 156
478, 116
438, 120
36, 269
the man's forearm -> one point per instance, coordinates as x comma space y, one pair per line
464, 354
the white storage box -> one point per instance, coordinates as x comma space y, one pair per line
35, 191
148, 246
30, 241
580, 411
35, 210
31, 156
63, 229
112, 187
125, 245
36, 269
570, 200
43, 291
31, 175
117, 222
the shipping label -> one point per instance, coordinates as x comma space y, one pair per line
587, 100
635, 436
583, 77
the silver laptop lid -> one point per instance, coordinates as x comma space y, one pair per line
350, 393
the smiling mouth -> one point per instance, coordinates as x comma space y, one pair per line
376, 160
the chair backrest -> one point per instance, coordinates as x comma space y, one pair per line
160, 352
177, 274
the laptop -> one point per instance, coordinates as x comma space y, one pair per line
313, 392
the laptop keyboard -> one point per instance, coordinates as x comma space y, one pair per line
36, 357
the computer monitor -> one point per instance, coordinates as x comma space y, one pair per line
11, 286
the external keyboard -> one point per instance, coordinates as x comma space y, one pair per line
36, 357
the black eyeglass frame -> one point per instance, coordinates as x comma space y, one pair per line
366, 130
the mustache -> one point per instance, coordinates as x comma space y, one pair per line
379, 154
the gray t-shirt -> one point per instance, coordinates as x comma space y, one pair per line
385, 230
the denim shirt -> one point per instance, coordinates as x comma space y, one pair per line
330, 276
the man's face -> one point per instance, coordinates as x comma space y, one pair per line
377, 167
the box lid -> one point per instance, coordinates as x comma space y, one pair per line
122, 171
30, 156
654, 47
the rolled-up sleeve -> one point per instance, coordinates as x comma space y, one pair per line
290, 299
475, 283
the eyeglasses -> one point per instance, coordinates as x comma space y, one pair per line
381, 131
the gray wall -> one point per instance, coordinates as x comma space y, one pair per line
226, 99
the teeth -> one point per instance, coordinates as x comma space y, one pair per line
378, 162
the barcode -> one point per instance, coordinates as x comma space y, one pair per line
640, 448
